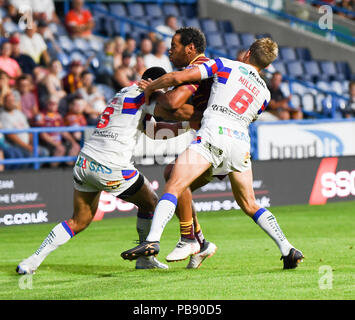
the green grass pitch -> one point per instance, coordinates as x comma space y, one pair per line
245, 266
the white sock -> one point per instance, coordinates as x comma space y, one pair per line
266, 221
59, 235
164, 211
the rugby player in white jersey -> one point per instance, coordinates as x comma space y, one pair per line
105, 163
238, 96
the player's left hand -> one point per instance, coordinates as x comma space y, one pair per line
143, 84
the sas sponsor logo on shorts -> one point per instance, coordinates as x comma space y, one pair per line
113, 184
233, 134
228, 111
92, 166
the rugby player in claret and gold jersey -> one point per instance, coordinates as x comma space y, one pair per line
187, 50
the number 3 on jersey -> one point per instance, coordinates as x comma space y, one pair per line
241, 101
105, 118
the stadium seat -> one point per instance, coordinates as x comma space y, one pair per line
298, 88
296, 100
225, 26
192, 22
231, 40
287, 54
157, 22
101, 7
119, 27
142, 21
246, 39
57, 29
263, 35
66, 43
280, 67
232, 52
109, 27
345, 85
214, 40
77, 55
303, 54
118, 9
318, 99
63, 58
188, 10
344, 68
328, 68
135, 10
153, 10
285, 88
96, 45
308, 102
312, 70
294, 69
81, 44
208, 25
170, 9
332, 107
337, 87
323, 85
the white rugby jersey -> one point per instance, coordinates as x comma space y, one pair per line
238, 94
120, 125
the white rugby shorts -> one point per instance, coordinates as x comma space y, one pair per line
226, 149
91, 176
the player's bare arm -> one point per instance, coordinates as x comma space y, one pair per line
172, 79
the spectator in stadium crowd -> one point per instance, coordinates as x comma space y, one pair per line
8, 64
146, 46
125, 75
75, 117
9, 151
279, 107
348, 5
5, 89
13, 118
168, 28
25, 62
45, 10
53, 82
79, 21
349, 111
120, 45
158, 57
57, 143
72, 81
53, 46
29, 104
33, 44
131, 47
105, 59
140, 67
90, 93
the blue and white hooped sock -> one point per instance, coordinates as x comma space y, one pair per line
266, 221
164, 211
59, 235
